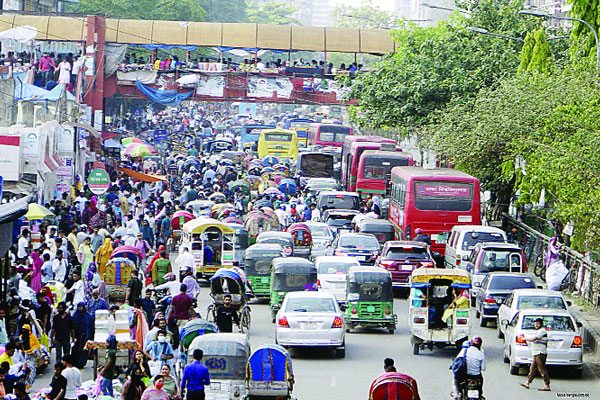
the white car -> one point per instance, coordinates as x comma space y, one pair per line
331, 274
321, 237
521, 299
311, 319
564, 341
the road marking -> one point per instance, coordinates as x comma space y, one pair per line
333, 381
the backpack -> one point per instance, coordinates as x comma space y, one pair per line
459, 366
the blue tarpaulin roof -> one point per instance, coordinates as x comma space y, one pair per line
270, 363
165, 46
26, 91
164, 97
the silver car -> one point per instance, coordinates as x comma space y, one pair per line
311, 319
521, 299
321, 237
331, 274
564, 341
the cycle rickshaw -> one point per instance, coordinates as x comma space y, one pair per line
229, 282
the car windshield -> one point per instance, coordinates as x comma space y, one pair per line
310, 304
319, 231
499, 260
359, 242
335, 267
343, 201
403, 253
509, 283
551, 322
339, 220
472, 238
554, 302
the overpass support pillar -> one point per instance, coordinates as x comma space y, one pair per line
94, 96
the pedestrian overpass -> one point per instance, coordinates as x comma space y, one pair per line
208, 82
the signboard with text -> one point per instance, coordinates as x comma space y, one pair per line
98, 181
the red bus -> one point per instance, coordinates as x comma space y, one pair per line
375, 171
345, 161
434, 200
328, 134
356, 151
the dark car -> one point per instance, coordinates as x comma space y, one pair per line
363, 246
338, 219
495, 288
401, 258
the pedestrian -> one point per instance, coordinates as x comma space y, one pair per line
160, 268
59, 383
84, 329
160, 350
226, 315
134, 288
73, 377
103, 255
47, 274
134, 387
179, 312
22, 245
60, 266
77, 289
108, 372
156, 391
62, 331
388, 365
539, 351
195, 378
148, 305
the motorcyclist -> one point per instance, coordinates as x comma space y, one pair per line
475, 363
170, 284
422, 237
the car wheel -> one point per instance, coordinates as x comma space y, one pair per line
477, 313
514, 369
483, 322
416, 349
576, 373
499, 331
340, 353
504, 356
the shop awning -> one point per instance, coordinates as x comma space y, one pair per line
143, 177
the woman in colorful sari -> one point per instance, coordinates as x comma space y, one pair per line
156, 391
91, 280
170, 385
85, 254
36, 271
149, 278
32, 349
103, 255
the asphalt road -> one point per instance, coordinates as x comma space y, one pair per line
319, 375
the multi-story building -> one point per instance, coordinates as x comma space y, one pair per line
41, 6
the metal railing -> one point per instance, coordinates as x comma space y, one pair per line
583, 279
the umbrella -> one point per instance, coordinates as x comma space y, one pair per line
180, 218
242, 184
129, 140
37, 211
288, 186
139, 150
272, 191
266, 169
269, 160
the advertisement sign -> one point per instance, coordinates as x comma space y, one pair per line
10, 157
443, 191
267, 87
64, 178
160, 135
64, 140
98, 181
31, 143
210, 86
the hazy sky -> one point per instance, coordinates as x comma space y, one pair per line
384, 4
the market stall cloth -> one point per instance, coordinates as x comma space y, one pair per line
129, 345
143, 177
37, 211
164, 97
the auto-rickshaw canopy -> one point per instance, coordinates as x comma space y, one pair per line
369, 284
424, 275
200, 225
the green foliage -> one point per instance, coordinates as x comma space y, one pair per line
272, 13
536, 53
589, 11
366, 16
526, 52
175, 10
235, 11
433, 66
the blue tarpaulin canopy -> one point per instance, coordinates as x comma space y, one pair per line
165, 46
164, 97
26, 91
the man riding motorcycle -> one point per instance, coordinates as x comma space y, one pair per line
475, 359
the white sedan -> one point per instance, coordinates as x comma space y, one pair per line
331, 274
564, 341
321, 237
521, 299
311, 319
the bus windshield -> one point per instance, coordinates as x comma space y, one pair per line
333, 133
380, 167
278, 137
304, 125
443, 196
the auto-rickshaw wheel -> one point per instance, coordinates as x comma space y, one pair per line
416, 348
391, 330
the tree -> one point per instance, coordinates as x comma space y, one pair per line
433, 66
235, 11
366, 16
174, 10
272, 13
536, 53
589, 11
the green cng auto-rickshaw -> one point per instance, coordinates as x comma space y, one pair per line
257, 266
370, 298
290, 274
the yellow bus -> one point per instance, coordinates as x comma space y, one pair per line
280, 143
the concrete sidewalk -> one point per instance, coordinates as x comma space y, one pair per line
590, 332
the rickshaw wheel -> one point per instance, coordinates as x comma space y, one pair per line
210, 313
245, 319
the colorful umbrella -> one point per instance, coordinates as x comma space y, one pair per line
242, 184
37, 211
269, 161
179, 218
139, 150
272, 191
129, 140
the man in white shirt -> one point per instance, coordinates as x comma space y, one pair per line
73, 377
132, 225
77, 289
475, 361
59, 266
22, 245
185, 259
539, 351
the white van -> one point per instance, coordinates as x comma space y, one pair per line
462, 239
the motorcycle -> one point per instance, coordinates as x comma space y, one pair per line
470, 389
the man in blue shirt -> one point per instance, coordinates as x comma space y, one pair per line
195, 377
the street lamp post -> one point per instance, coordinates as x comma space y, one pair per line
436, 7
486, 32
535, 13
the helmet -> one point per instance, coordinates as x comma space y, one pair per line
186, 269
169, 277
418, 231
476, 341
